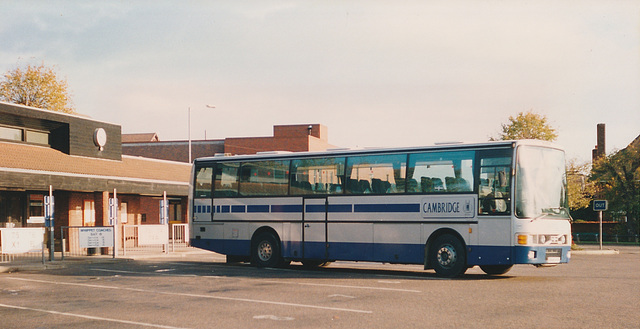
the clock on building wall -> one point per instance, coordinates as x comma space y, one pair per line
100, 138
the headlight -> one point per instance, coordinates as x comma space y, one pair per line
542, 239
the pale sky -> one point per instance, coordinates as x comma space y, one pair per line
376, 73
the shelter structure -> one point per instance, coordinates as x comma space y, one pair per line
81, 161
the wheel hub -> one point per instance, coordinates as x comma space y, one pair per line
265, 251
446, 256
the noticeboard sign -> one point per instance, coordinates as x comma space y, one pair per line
600, 205
95, 237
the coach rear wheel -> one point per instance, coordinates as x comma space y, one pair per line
447, 256
495, 269
265, 251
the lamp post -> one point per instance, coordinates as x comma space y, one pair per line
189, 127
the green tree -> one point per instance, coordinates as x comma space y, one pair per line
36, 86
617, 177
527, 125
579, 188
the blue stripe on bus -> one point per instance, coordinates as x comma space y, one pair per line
314, 208
320, 208
380, 252
400, 207
287, 208
236, 209
258, 208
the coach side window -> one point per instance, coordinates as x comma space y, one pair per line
317, 176
440, 172
494, 191
376, 174
226, 180
203, 182
264, 178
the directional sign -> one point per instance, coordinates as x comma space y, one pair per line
49, 210
113, 211
164, 212
600, 205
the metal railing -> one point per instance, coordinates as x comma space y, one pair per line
28, 244
144, 238
606, 238
179, 236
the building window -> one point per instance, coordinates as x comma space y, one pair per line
12, 134
123, 213
89, 213
36, 209
24, 135
37, 137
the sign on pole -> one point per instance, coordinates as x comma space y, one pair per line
48, 211
600, 205
95, 237
113, 211
164, 212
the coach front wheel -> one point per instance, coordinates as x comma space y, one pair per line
447, 256
265, 251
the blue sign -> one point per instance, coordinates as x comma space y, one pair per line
600, 205
48, 211
164, 211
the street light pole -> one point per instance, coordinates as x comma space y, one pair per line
189, 131
189, 126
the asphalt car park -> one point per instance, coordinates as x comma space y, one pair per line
199, 290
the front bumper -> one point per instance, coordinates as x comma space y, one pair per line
543, 255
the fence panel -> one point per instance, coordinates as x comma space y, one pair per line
22, 244
145, 238
608, 238
179, 236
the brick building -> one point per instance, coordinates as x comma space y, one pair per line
294, 138
81, 159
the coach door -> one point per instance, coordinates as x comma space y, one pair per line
314, 228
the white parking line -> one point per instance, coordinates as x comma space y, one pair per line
157, 272
197, 295
90, 317
270, 281
357, 287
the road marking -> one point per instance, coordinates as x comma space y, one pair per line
273, 317
90, 317
343, 296
236, 299
157, 272
357, 287
270, 281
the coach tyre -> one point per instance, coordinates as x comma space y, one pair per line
266, 251
447, 256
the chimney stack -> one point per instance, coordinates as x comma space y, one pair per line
600, 149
